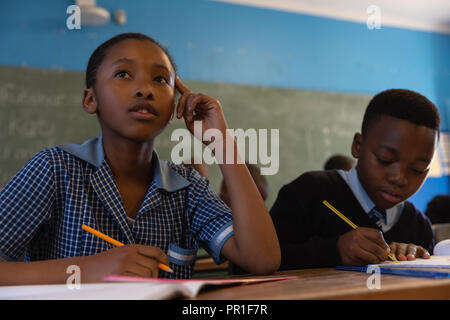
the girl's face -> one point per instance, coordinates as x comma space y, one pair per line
134, 91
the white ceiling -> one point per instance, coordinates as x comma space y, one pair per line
427, 15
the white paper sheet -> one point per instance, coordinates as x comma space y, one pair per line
433, 262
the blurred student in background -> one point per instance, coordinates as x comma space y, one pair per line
339, 162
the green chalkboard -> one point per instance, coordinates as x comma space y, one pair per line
42, 108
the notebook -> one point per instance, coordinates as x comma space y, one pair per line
419, 268
433, 262
124, 288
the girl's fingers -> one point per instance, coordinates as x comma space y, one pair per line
182, 105
193, 101
185, 92
181, 87
147, 265
154, 253
190, 107
137, 270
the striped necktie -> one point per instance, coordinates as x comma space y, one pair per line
377, 215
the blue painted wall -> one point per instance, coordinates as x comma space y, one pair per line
220, 42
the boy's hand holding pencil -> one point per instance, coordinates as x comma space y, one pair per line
361, 246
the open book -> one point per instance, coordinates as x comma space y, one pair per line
123, 288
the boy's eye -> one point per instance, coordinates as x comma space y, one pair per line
384, 162
122, 74
418, 171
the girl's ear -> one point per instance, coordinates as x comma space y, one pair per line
89, 101
356, 145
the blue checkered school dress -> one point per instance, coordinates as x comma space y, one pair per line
43, 207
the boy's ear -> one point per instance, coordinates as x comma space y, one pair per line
89, 101
356, 145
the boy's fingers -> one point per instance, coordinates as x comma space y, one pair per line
378, 253
400, 251
411, 251
367, 256
422, 253
181, 87
376, 236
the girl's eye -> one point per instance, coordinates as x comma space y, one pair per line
160, 79
122, 74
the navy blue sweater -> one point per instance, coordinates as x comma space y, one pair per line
308, 230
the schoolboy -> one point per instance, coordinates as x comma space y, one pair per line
394, 151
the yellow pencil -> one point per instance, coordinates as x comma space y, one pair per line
354, 226
117, 243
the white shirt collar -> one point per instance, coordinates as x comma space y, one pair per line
351, 177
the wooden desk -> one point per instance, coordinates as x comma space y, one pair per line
209, 264
328, 283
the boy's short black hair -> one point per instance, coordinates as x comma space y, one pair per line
402, 104
99, 54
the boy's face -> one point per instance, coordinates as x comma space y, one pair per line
394, 158
134, 90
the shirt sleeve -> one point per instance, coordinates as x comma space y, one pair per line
212, 223
25, 204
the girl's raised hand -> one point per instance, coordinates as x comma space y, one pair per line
199, 107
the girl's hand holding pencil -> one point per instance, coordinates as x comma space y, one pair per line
132, 260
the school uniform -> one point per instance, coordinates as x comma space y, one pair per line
43, 207
308, 230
